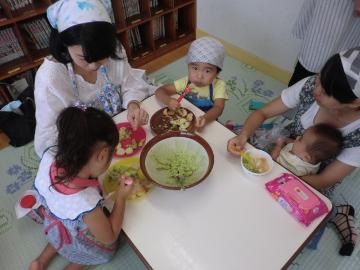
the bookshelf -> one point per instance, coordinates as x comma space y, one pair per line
157, 27
147, 29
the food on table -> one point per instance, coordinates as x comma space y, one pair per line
180, 119
176, 160
255, 164
129, 140
127, 171
179, 165
125, 133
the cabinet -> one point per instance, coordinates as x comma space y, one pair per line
139, 32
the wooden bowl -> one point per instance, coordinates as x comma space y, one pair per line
161, 157
160, 123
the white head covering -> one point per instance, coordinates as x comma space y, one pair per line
66, 13
206, 50
350, 60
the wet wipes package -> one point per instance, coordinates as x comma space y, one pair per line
296, 198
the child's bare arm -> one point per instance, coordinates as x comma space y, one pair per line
280, 143
212, 114
107, 229
164, 93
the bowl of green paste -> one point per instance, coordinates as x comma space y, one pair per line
177, 160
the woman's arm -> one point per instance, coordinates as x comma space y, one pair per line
164, 93
274, 108
332, 174
212, 114
48, 107
133, 85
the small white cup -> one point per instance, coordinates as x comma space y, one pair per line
256, 153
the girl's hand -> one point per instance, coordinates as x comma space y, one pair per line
236, 144
200, 122
137, 116
126, 187
173, 104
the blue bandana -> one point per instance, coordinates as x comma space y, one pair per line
66, 13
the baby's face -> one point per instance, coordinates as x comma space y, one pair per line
202, 74
301, 144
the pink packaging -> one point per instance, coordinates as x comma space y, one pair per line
296, 198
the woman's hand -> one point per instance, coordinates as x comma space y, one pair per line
136, 116
274, 108
236, 144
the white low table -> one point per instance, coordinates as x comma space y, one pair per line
228, 221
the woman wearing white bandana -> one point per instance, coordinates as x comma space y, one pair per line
332, 97
86, 67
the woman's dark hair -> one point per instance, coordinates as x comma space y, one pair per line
79, 134
98, 40
334, 81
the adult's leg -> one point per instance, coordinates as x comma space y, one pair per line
45, 257
300, 73
345, 225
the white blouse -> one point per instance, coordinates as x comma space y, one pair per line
54, 92
291, 98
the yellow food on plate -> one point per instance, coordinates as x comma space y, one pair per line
129, 167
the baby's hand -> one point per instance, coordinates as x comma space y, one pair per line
173, 104
126, 186
200, 122
281, 141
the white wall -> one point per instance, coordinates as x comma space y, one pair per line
261, 27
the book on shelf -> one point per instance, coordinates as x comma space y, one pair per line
154, 3
16, 5
38, 33
159, 28
131, 8
134, 37
9, 46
